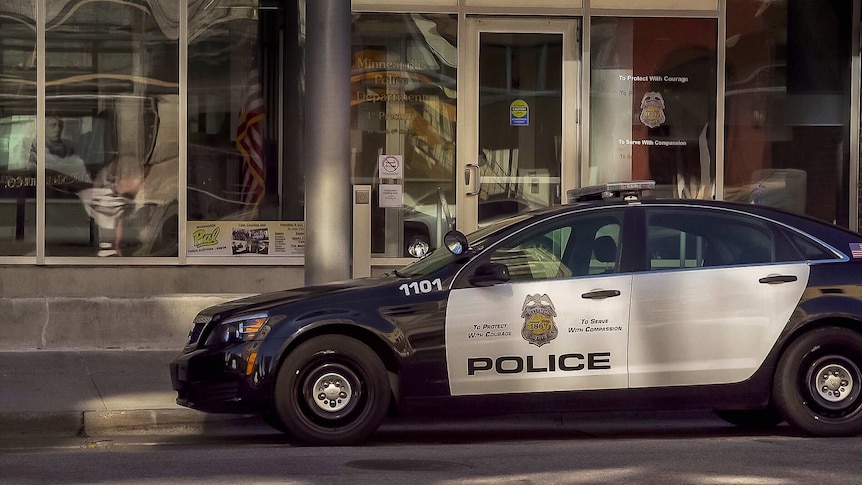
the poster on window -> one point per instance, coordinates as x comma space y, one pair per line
653, 104
245, 239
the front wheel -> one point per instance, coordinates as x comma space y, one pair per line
818, 382
332, 390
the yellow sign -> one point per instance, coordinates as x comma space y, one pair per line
519, 113
245, 238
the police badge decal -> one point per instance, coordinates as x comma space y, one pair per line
538, 313
652, 109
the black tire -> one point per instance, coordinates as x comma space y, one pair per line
332, 390
818, 382
751, 418
271, 418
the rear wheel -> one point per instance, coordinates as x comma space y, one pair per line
332, 390
818, 382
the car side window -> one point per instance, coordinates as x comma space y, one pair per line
536, 258
695, 238
582, 245
605, 250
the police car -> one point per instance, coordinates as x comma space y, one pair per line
616, 301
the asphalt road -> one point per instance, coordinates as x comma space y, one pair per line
595, 449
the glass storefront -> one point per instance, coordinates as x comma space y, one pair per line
245, 189
111, 152
787, 102
403, 95
17, 128
185, 142
652, 103
226, 101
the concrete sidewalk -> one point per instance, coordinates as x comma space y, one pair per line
92, 392
97, 393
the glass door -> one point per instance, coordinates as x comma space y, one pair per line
517, 143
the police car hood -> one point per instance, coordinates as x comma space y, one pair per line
269, 300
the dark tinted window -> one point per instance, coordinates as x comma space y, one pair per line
693, 238
807, 248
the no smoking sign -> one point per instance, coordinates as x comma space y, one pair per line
390, 166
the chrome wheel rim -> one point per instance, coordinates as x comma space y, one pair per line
834, 383
332, 392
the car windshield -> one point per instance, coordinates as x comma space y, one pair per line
441, 257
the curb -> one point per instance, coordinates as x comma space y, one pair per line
49, 424
188, 421
102, 423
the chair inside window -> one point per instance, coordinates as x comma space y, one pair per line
605, 252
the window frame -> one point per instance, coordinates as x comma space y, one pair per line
546, 225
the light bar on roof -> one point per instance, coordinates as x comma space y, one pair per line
631, 190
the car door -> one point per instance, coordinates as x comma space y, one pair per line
559, 323
719, 288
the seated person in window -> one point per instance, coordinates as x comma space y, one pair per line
60, 155
54, 141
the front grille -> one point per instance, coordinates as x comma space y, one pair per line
195, 333
200, 323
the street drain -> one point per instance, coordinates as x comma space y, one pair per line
405, 465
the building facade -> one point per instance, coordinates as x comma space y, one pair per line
155, 158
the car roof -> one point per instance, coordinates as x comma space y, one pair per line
832, 234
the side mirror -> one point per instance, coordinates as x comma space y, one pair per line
456, 242
489, 274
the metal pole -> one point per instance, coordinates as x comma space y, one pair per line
328, 191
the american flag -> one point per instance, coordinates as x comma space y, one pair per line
856, 250
249, 140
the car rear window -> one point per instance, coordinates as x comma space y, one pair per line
807, 248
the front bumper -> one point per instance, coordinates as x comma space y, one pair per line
213, 381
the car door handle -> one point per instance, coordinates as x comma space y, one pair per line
777, 279
601, 294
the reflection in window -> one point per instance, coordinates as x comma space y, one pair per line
17, 128
787, 101
111, 130
241, 59
520, 122
403, 103
587, 245
693, 239
537, 258
652, 103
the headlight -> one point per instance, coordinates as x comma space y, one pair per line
238, 329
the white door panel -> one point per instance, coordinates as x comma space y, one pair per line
708, 326
538, 336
